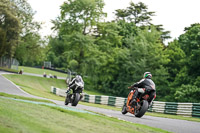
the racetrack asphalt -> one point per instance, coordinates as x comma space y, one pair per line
171, 125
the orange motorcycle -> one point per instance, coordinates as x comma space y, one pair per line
140, 107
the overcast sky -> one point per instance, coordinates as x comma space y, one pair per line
174, 15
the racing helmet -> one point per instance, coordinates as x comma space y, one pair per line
79, 78
147, 75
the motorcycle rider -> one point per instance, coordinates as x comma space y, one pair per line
148, 85
72, 84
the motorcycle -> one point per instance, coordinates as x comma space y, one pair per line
75, 96
140, 107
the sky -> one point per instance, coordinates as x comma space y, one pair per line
174, 15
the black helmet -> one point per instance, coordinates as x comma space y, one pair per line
147, 75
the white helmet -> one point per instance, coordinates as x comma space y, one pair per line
79, 78
147, 75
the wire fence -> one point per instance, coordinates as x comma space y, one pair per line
10, 63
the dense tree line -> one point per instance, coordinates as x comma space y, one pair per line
19, 35
110, 55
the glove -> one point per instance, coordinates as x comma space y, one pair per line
130, 87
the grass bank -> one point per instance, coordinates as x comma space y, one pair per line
19, 117
40, 86
41, 71
8, 70
24, 98
37, 86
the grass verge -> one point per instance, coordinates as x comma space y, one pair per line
18, 116
37, 86
40, 86
24, 98
41, 71
8, 70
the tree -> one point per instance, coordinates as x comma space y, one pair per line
81, 15
10, 27
2, 42
29, 51
126, 31
164, 34
25, 14
190, 44
188, 93
19, 32
176, 58
138, 14
30, 41
112, 68
108, 32
146, 54
121, 14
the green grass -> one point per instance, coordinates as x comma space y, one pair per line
41, 71
24, 98
40, 86
16, 117
7, 69
37, 86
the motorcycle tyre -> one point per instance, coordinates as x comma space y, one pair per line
76, 99
143, 109
66, 100
124, 111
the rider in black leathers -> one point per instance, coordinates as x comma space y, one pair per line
72, 84
149, 86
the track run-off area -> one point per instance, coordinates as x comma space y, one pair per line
171, 125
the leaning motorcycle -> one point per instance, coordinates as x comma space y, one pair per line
74, 96
140, 107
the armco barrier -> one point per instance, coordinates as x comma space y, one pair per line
185, 109
196, 110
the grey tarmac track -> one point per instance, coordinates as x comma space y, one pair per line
172, 125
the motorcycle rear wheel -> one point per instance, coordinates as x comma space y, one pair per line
76, 99
144, 107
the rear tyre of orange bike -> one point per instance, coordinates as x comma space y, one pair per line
142, 110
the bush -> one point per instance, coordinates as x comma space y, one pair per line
188, 93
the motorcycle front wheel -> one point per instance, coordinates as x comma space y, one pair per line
124, 111
67, 100
76, 99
